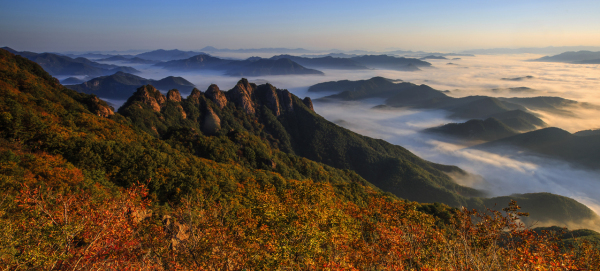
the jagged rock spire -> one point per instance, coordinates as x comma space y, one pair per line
173, 95
286, 99
216, 95
308, 102
241, 95
268, 94
148, 95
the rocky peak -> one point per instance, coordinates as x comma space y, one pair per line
148, 95
268, 94
308, 102
195, 95
286, 99
173, 95
216, 95
241, 95
245, 86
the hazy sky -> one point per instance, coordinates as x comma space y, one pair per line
62, 25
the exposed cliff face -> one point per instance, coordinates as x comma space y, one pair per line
308, 102
148, 95
286, 99
241, 95
216, 95
173, 95
268, 94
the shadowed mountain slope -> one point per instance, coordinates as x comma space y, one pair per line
64, 65
404, 94
327, 62
249, 67
282, 66
579, 57
552, 142
122, 85
475, 130
167, 55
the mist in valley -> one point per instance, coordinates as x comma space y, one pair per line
496, 76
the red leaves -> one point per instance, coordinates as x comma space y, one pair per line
77, 230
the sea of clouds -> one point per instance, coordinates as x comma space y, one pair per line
476, 75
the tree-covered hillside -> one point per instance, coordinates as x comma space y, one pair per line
86, 188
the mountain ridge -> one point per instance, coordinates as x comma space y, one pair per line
122, 85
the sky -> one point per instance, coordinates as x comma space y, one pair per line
90, 25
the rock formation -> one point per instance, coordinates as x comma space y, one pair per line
268, 94
100, 108
286, 99
241, 95
216, 95
308, 102
148, 95
173, 95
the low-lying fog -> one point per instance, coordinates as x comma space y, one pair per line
479, 75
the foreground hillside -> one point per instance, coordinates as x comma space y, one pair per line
85, 188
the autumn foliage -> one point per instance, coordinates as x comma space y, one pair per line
82, 192
304, 227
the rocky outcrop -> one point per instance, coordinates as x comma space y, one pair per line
173, 96
286, 99
183, 114
177, 231
100, 107
241, 95
195, 95
148, 95
268, 94
138, 215
308, 102
212, 122
216, 95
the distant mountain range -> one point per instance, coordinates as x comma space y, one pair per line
327, 62
249, 67
348, 62
511, 111
167, 55
579, 57
259, 50
583, 149
72, 81
282, 66
131, 60
256, 66
531, 50
475, 130
515, 90
120, 85
58, 65
433, 57
501, 121
391, 63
